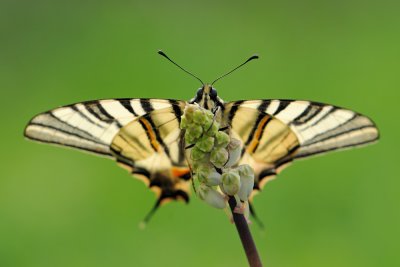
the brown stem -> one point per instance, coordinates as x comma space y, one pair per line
245, 236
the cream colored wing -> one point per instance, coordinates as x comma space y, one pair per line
151, 148
275, 132
91, 125
141, 134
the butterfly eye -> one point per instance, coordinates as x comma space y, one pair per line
199, 93
213, 93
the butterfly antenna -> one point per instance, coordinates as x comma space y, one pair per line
248, 60
149, 215
173, 62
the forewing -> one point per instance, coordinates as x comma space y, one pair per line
92, 125
275, 132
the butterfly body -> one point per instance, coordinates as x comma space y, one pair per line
144, 135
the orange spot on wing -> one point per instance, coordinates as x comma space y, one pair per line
179, 172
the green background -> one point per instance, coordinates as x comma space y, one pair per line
59, 207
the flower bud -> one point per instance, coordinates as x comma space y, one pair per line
211, 196
230, 182
205, 144
195, 130
202, 170
209, 118
189, 138
214, 178
218, 157
196, 154
209, 115
235, 152
199, 116
203, 117
222, 139
206, 173
213, 150
245, 170
213, 129
207, 124
188, 112
183, 124
246, 181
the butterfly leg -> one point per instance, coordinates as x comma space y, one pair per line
150, 214
255, 217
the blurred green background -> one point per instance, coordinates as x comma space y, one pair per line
59, 207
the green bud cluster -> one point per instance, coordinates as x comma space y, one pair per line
213, 156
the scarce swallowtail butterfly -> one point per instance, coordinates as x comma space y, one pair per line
144, 135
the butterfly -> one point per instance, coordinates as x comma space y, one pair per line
144, 135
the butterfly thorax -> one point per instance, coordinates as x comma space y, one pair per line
207, 98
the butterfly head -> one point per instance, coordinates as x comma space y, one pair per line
207, 97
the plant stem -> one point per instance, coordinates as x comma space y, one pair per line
245, 236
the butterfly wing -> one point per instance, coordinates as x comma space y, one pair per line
141, 134
276, 132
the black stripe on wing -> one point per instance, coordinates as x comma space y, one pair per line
146, 105
98, 121
319, 128
316, 122
126, 103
